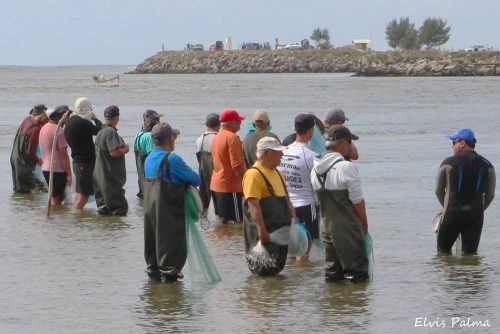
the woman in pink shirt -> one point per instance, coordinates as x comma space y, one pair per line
60, 164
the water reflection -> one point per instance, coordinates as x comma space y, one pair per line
165, 307
344, 305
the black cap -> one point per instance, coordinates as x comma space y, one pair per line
59, 111
305, 120
38, 109
163, 131
338, 131
111, 111
212, 120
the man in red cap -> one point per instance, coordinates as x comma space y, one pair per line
229, 167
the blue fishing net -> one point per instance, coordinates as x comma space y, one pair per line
299, 240
197, 251
369, 254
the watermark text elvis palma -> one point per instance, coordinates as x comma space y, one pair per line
451, 322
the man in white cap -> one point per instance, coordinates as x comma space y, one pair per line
267, 206
79, 132
262, 126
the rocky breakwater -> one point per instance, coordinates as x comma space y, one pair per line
411, 63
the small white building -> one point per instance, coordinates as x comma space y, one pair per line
361, 44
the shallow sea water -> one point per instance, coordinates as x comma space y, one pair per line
81, 273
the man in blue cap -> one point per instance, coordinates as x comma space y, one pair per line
465, 188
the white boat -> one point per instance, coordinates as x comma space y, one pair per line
101, 80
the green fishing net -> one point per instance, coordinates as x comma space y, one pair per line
299, 240
369, 254
198, 256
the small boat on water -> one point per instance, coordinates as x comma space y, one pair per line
101, 80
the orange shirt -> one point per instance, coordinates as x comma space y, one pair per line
227, 154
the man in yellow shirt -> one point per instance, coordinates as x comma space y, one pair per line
266, 205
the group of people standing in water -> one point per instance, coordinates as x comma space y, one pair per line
261, 182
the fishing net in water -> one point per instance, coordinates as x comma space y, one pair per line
299, 240
198, 256
369, 254
259, 259
281, 236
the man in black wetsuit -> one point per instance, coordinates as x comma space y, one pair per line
465, 188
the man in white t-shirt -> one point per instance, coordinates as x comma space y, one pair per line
204, 156
343, 215
296, 164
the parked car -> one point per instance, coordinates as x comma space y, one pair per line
293, 46
195, 47
218, 46
476, 48
251, 46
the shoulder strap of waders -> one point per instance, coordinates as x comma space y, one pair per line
268, 184
322, 178
164, 165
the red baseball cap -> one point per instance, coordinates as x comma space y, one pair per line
230, 116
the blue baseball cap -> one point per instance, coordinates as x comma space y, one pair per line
464, 134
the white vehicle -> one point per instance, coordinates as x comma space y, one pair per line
477, 48
293, 46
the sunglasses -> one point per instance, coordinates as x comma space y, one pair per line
457, 141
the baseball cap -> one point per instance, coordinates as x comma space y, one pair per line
335, 114
338, 131
59, 110
212, 120
270, 143
464, 134
260, 116
230, 115
111, 111
38, 109
305, 120
163, 131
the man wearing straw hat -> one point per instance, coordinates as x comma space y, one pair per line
60, 160
79, 131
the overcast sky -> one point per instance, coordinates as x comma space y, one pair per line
125, 32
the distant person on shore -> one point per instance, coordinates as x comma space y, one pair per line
465, 188
267, 206
229, 167
297, 164
60, 163
343, 215
205, 160
262, 125
166, 177
79, 132
144, 143
110, 174
336, 116
24, 159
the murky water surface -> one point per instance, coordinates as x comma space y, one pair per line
81, 273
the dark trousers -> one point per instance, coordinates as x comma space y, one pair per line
467, 225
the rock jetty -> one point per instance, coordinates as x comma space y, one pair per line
407, 63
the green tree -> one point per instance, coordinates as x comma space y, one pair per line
411, 40
434, 32
401, 34
321, 38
